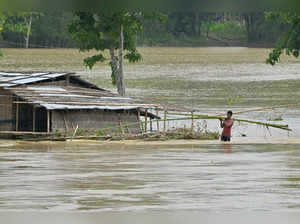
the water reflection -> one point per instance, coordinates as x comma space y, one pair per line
227, 148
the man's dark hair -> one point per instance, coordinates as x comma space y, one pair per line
229, 112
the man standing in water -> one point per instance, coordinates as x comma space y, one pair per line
226, 125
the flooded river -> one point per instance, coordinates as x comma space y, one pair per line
99, 178
214, 177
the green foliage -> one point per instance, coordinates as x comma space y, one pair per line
133, 56
58, 133
91, 61
229, 30
100, 132
18, 22
289, 43
2, 21
51, 30
233, 100
80, 132
184, 28
187, 133
279, 118
101, 31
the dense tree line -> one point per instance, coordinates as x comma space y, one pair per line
47, 30
181, 28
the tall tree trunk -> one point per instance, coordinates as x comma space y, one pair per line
113, 65
28, 31
197, 24
120, 75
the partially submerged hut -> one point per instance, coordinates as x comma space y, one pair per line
44, 102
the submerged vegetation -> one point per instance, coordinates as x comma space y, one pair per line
174, 134
187, 133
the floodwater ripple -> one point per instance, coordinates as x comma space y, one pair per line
211, 177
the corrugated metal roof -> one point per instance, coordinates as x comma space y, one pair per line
89, 96
86, 107
8, 79
43, 88
70, 97
54, 75
65, 95
6, 85
29, 80
10, 74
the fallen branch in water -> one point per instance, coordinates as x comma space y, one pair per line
202, 116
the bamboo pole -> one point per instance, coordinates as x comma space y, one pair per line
128, 129
283, 127
266, 108
67, 80
48, 121
203, 116
192, 113
151, 126
157, 123
33, 119
74, 134
121, 128
165, 120
65, 121
139, 119
146, 120
17, 117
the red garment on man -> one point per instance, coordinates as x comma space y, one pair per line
227, 128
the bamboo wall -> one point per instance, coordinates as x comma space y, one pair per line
92, 120
6, 111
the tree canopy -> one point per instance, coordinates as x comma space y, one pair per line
289, 43
109, 31
21, 22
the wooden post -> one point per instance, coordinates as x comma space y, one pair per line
33, 119
157, 123
151, 126
146, 120
17, 117
192, 121
165, 118
48, 121
66, 124
128, 129
139, 118
121, 128
67, 80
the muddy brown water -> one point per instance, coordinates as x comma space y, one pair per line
98, 178
214, 177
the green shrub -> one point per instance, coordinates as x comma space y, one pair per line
100, 133
58, 133
230, 30
80, 132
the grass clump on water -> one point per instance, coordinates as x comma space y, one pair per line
187, 133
